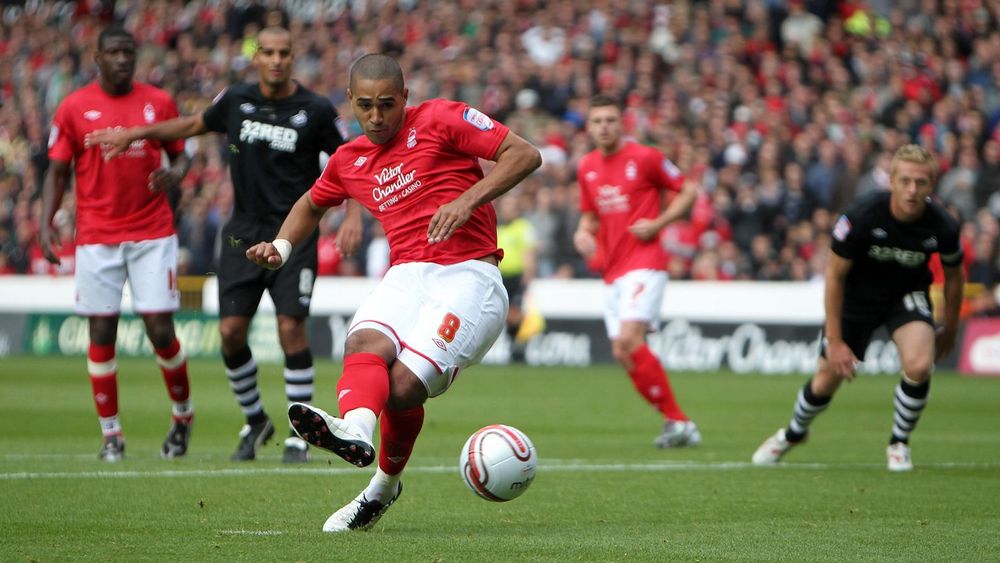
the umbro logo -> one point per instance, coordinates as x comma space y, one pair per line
92, 115
590, 176
361, 160
440, 344
248, 108
879, 232
930, 243
397, 459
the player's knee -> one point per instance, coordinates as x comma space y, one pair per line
406, 391
917, 370
234, 335
160, 330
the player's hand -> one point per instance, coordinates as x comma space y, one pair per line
116, 138
944, 342
448, 218
349, 234
164, 179
842, 360
265, 255
585, 243
48, 239
644, 229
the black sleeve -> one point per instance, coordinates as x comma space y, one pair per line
951, 242
329, 135
215, 114
848, 234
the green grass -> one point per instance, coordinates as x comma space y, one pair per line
602, 492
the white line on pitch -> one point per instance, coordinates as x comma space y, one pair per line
250, 532
552, 466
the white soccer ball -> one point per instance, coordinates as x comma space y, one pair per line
498, 462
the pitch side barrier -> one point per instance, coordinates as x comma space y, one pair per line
746, 327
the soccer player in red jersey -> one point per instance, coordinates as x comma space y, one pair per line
125, 230
622, 190
442, 303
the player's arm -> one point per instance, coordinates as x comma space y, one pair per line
678, 208
166, 179
585, 237
954, 287
169, 130
515, 159
838, 354
302, 220
52, 194
349, 234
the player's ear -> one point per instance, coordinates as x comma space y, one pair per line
406, 93
350, 95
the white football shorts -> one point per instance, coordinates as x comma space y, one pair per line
441, 318
636, 296
150, 266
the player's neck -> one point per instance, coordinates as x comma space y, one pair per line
277, 92
115, 89
612, 148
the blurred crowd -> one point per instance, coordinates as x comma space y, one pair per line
783, 111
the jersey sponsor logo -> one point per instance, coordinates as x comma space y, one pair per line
53, 135
299, 119
361, 160
907, 258
393, 184
148, 113
631, 171
879, 232
92, 115
477, 118
278, 138
247, 108
611, 199
930, 244
842, 228
411, 138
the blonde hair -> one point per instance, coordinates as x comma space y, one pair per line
917, 155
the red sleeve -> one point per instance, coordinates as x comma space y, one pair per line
62, 141
667, 174
586, 203
468, 129
327, 191
169, 111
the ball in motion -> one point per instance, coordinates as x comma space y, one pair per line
498, 462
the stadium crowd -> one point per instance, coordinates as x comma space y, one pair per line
782, 111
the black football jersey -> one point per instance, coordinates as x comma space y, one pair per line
889, 257
274, 147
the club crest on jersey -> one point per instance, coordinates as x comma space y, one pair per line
631, 171
931, 243
842, 228
478, 119
148, 113
411, 138
92, 115
879, 232
248, 108
299, 119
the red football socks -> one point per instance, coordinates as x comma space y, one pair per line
650, 379
364, 384
103, 372
399, 430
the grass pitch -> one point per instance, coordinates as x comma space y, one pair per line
602, 492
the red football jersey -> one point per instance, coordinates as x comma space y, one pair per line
622, 188
431, 161
113, 200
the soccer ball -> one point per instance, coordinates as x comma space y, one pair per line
498, 462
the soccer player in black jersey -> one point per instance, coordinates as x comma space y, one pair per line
276, 130
878, 275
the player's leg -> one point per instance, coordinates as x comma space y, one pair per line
103, 370
152, 279
915, 341
241, 285
100, 276
814, 397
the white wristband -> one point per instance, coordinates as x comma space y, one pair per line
284, 249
